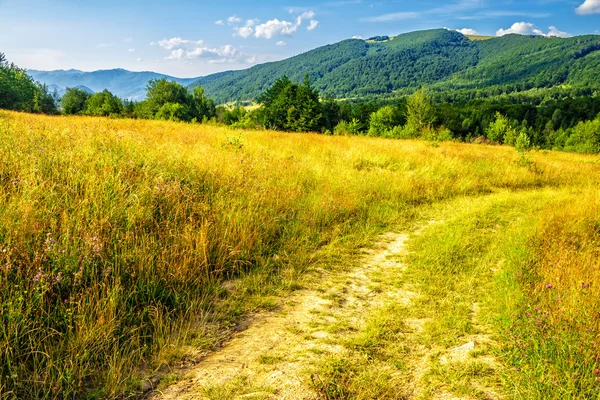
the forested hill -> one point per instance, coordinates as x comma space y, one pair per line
440, 58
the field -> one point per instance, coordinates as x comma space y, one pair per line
128, 246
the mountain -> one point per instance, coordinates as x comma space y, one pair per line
53, 88
123, 83
440, 59
385, 66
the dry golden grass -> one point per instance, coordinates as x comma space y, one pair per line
116, 235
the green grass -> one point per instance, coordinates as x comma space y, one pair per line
123, 242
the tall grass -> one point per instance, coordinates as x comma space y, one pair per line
552, 340
116, 235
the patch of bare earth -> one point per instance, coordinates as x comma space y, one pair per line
273, 358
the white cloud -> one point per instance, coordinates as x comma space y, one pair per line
176, 42
234, 20
128, 40
468, 31
139, 59
131, 50
589, 7
357, 37
275, 27
184, 50
220, 22
247, 30
556, 33
281, 43
527, 28
400, 16
244, 32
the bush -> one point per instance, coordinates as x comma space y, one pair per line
381, 121
500, 131
347, 128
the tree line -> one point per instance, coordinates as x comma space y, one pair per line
556, 122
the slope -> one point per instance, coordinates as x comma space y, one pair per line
443, 59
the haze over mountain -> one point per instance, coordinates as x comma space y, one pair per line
387, 66
123, 83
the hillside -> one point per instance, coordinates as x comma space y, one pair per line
439, 58
384, 66
123, 83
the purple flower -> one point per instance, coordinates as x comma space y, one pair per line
548, 286
597, 371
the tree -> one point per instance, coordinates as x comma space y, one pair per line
291, 107
73, 101
162, 92
202, 107
419, 111
103, 104
382, 121
172, 112
500, 130
18, 91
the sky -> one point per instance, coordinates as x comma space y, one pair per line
194, 38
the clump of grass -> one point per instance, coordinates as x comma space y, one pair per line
236, 387
116, 236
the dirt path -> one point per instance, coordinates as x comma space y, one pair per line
275, 357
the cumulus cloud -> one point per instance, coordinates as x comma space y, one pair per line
246, 30
234, 20
357, 37
281, 43
220, 22
468, 31
527, 28
275, 27
589, 7
556, 33
184, 50
131, 50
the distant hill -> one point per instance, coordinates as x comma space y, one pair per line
123, 83
386, 66
441, 59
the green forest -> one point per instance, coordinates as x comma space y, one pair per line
445, 61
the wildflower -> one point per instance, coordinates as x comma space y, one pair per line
585, 285
548, 286
597, 371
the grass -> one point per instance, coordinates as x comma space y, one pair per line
122, 242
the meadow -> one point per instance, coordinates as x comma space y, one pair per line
119, 240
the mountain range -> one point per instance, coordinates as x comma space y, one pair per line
387, 66
125, 84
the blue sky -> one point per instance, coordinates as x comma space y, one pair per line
194, 38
